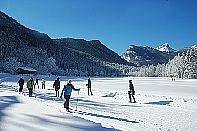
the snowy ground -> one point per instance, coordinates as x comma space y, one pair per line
162, 104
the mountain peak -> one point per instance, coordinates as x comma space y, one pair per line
146, 55
165, 48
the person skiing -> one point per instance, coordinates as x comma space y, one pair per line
43, 83
21, 83
172, 77
67, 90
89, 87
56, 85
131, 91
30, 84
37, 82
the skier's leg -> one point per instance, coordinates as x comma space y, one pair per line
65, 104
68, 104
29, 92
88, 90
91, 91
134, 98
67, 101
20, 89
130, 97
129, 93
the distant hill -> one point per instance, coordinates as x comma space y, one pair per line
93, 47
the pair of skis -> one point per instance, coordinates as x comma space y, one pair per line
74, 111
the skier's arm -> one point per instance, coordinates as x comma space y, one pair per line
53, 84
75, 88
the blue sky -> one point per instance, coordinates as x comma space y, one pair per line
116, 23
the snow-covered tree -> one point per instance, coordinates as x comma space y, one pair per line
50, 64
190, 61
11, 65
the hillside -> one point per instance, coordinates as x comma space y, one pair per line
93, 47
21, 46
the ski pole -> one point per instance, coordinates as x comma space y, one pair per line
77, 100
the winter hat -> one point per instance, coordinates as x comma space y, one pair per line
69, 81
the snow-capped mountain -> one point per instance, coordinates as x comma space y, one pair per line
165, 48
146, 55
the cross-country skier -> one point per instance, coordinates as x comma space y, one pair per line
131, 91
56, 85
172, 77
37, 82
43, 83
89, 87
21, 83
30, 85
67, 90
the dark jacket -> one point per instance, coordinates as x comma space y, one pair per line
37, 80
21, 82
131, 87
89, 83
56, 84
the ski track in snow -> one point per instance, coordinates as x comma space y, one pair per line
168, 108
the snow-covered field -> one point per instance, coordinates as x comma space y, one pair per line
162, 104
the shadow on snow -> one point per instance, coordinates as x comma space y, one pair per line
160, 103
107, 117
5, 102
